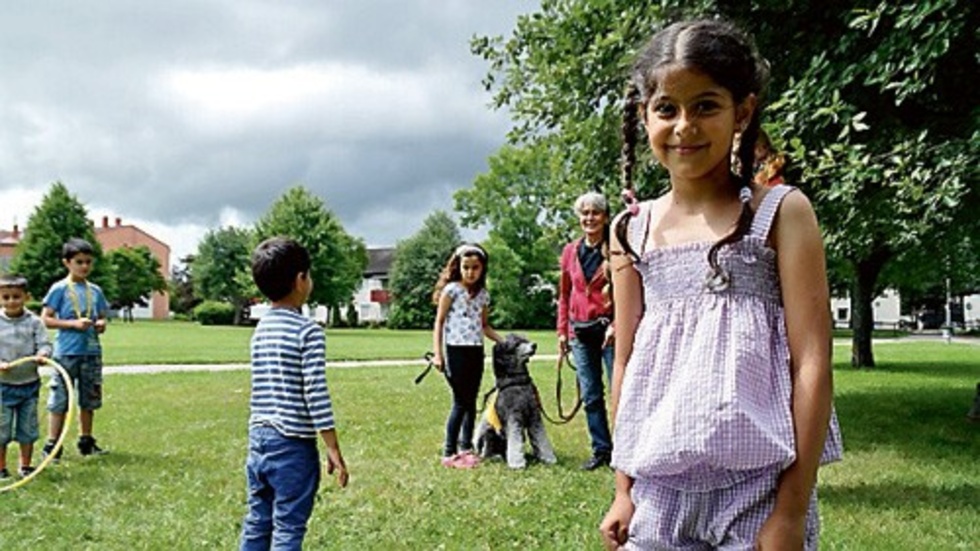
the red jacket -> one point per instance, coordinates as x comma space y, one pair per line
580, 300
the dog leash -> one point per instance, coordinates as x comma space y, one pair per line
428, 357
564, 418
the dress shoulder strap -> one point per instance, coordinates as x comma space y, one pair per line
762, 222
639, 228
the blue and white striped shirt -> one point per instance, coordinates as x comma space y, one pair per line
289, 381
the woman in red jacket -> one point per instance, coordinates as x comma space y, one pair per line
585, 318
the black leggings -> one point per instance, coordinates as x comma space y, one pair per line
464, 371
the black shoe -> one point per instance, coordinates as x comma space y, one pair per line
596, 461
87, 446
4, 473
48, 448
26, 471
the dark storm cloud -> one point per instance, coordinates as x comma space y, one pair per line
174, 112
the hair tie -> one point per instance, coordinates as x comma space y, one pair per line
745, 194
629, 197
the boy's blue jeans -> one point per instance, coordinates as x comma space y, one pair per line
588, 369
18, 416
283, 476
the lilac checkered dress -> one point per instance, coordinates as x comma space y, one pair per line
705, 402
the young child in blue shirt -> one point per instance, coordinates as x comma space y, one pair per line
290, 404
77, 309
22, 335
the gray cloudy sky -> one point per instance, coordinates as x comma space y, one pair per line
183, 115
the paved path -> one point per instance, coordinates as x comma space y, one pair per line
161, 368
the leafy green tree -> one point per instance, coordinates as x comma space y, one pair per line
523, 255
137, 275
59, 217
418, 262
338, 259
883, 136
866, 100
182, 298
221, 270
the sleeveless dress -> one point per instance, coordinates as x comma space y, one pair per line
706, 398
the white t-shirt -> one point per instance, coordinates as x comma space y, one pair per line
464, 322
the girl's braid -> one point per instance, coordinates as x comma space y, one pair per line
631, 122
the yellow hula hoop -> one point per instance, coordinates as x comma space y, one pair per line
64, 430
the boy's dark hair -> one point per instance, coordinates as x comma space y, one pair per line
76, 246
275, 264
13, 281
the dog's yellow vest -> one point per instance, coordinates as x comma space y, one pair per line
491, 413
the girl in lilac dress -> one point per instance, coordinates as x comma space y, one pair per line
722, 391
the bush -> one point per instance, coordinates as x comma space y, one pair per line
212, 312
34, 306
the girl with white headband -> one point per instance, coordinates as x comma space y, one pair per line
462, 304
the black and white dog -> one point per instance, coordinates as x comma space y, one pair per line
515, 410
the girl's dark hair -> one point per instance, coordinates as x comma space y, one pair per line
727, 56
452, 271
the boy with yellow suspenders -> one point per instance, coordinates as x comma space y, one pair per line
77, 309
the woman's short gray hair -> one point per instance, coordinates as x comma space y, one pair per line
592, 199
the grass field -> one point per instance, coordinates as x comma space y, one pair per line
174, 480
148, 342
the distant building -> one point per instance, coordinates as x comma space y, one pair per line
8, 242
112, 238
373, 299
119, 236
971, 310
886, 310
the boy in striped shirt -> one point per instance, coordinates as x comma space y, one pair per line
290, 404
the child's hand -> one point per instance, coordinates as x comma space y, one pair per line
335, 462
4, 366
614, 528
100, 326
41, 359
437, 361
82, 324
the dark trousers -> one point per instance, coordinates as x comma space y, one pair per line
464, 372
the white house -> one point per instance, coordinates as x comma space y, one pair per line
971, 310
372, 298
886, 309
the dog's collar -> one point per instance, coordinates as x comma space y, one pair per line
516, 381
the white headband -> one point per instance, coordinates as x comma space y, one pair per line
463, 250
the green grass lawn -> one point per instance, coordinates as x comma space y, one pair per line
175, 342
174, 477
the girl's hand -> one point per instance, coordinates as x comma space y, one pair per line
562, 344
782, 533
614, 528
610, 336
437, 361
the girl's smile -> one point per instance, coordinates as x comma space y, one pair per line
690, 122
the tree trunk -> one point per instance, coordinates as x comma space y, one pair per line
862, 312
